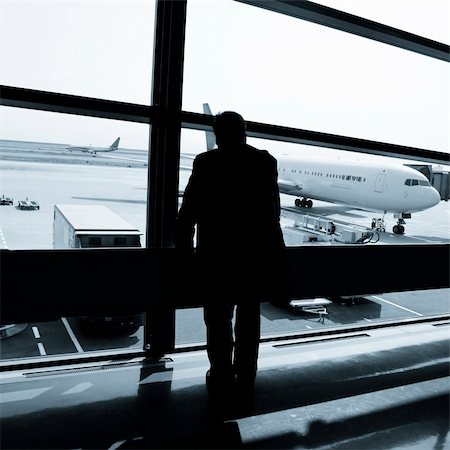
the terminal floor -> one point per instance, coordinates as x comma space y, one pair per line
384, 389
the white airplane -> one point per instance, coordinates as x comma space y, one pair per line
370, 186
94, 150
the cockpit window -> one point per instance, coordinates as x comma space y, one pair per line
414, 182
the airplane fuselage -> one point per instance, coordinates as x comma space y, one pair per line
364, 185
94, 150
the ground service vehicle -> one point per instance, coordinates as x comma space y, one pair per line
28, 204
6, 200
88, 226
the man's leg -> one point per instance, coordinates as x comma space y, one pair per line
247, 333
219, 339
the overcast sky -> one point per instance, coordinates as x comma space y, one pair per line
270, 68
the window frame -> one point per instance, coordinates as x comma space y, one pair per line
166, 119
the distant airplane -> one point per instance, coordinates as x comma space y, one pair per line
370, 186
94, 150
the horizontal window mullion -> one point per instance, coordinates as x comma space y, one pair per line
340, 20
203, 122
73, 104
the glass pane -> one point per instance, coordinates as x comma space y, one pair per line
190, 327
316, 168
317, 314
58, 159
312, 77
99, 49
75, 169
332, 196
71, 336
430, 19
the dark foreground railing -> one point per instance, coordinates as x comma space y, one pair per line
42, 285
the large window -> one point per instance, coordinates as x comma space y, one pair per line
308, 76
102, 50
280, 70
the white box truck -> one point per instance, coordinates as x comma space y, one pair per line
92, 226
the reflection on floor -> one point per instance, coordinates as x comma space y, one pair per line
384, 389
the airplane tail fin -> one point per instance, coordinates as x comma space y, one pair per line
114, 145
210, 137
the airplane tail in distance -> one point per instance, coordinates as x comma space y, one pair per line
207, 109
115, 145
210, 137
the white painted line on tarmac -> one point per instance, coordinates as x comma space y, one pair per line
116, 445
72, 335
41, 349
17, 396
2, 238
398, 306
36, 332
367, 320
78, 388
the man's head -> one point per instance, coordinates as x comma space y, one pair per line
229, 128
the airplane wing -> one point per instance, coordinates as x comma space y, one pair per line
289, 187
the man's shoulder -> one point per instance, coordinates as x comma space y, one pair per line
263, 155
205, 156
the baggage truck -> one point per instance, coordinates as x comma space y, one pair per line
92, 226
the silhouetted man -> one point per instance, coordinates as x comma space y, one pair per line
232, 197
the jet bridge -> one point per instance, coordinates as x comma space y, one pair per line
438, 176
311, 228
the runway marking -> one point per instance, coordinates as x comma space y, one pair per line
78, 388
7, 397
36, 332
2, 238
398, 306
116, 445
41, 349
72, 335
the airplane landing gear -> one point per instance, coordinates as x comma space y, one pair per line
380, 225
303, 203
399, 228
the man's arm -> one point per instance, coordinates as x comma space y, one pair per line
187, 215
276, 202
274, 188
